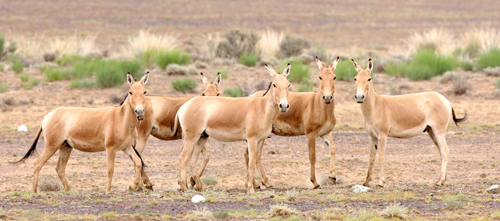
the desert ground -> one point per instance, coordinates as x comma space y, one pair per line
411, 166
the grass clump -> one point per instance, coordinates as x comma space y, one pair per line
249, 60
203, 213
49, 185
233, 92
345, 70
3, 87
221, 214
55, 74
299, 72
176, 56
488, 59
395, 210
18, 66
454, 202
209, 180
282, 211
111, 73
424, 65
184, 85
466, 65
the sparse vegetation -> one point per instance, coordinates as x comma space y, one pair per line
424, 65
18, 66
221, 214
282, 211
47, 185
184, 85
249, 60
488, 59
233, 92
3, 87
292, 46
236, 43
269, 43
209, 180
453, 202
176, 56
460, 85
395, 210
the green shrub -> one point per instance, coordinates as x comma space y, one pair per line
176, 56
453, 202
81, 84
18, 66
3, 87
24, 77
184, 85
221, 214
488, 59
109, 76
28, 85
306, 86
70, 59
233, 92
249, 60
299, 72
148, 58
424, 65
55, 74
466, 65
345, 70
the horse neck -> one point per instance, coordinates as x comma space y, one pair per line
270, 106
368, 107
320, 105
125, 114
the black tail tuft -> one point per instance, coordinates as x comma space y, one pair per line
174, 128
142, 161
31, 150
459, 120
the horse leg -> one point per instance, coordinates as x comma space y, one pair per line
382, 141
206, 158
311, 142
200, 145
140, 145
47, 153
439, 140
373, 152
255, 184
184, 158
137, 185
252, 146
258, 162
64, 153
110, 154
329, 143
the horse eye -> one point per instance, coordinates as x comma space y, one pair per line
145, 92
320, 78
274, 85
369, 79
334, 78
130, 93
289, 85
218, 94
355, 79
203, 94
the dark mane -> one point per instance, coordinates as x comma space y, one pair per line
268, 88
124, 99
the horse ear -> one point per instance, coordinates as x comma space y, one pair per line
130, 79
356, 66
286, 72
320, 64
271, 71
370, 65
218, 79
204, 79
334, 63
145, 78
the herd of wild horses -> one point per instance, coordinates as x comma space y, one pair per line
250, 119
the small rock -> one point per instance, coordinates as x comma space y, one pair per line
49, 57
483, 175
493, 189
197, 199
22, 128
360, 189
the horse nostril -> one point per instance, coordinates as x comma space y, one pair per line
288, 106
281, 106
355, 96
143, 110
324, 97
363, 97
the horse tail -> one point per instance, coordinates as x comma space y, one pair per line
32, 149
175, 127
458, 120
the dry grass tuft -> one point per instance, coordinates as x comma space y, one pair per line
147, 41
36, 46
460, 85
479, 40
282, 210
269, 43
439, 40
49, 185
395, 210
203, 213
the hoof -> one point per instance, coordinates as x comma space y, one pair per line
257, 188
366, 184
149, 187
317, 187
333, 180
192, 181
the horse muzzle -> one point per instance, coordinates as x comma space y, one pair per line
360, 99
327, 99
139, 114
284, 107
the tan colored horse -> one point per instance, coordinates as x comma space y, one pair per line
159, 119
402, 116
311, 114
230, 119
107, 129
